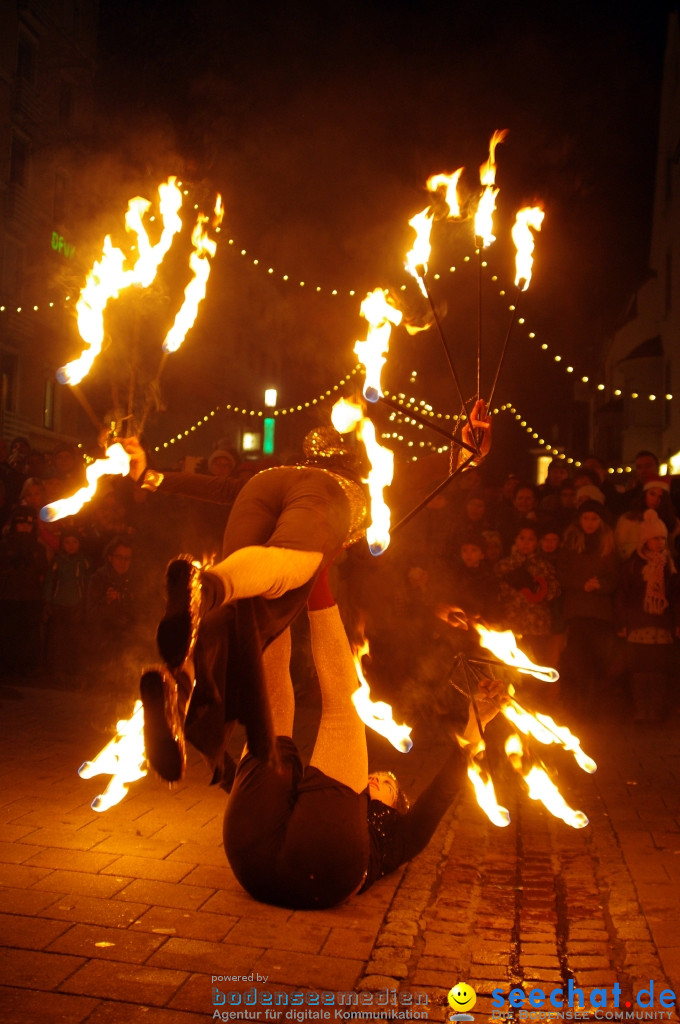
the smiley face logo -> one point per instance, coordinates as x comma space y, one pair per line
462, 997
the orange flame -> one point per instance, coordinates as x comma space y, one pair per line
484, 789
345, 416
544, 729
372, 352
487, 203
504, 646
417, 257
194, 293
108, 276
379, 477
541, 787
123, 758
377, 715
116, 462
527, 218
448, 183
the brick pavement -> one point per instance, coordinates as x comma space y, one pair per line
125, 916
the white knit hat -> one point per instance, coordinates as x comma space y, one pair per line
651, 526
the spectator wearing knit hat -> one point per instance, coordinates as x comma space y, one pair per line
655, 494
222, 461
648, 616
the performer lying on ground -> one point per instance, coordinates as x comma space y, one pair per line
310, 838
286, 524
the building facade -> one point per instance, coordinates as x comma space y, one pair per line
643, 359
47, 69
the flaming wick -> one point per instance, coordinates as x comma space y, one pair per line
122, 758
115, 463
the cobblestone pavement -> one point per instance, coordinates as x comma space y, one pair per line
126, 916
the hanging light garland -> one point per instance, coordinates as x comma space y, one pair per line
316, 289
334, 292
259, 413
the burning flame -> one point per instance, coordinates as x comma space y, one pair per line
544, 729
541, 787
484, 789
123, 758
418, 256
504, 646
104, 282
448, 183
108, 276
379, 477
116, 462
527, 218
487, 203
377, 715
372, 352
194, 293
346, 416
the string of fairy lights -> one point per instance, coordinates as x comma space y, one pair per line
397, 419
315, 289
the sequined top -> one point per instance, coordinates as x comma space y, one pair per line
358, 506
396, 838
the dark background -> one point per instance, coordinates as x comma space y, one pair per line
320, 123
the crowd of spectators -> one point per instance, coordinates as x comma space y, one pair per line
582, 572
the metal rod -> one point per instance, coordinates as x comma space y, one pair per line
421, 275
87, 408
152, 392
479, 324
473, 702
427, 423
505, 346
433, 494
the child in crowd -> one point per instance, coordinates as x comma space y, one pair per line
528, 584
476, 588
588, 573
648, 616
64, 605
549, 543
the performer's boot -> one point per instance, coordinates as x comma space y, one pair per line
189, 594
165, 699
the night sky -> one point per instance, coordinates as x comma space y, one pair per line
320, 123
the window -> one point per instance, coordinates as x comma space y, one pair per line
26, 60
19, 160
8, 381
65, 104
59, 203
48, 405
13, 265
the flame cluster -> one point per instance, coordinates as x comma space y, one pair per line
123, 759
537, 726
110, 275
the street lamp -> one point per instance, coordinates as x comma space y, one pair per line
269, 425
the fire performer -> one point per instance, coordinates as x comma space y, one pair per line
286, 524
310, 838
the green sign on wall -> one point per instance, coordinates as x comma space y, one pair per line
61, 246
